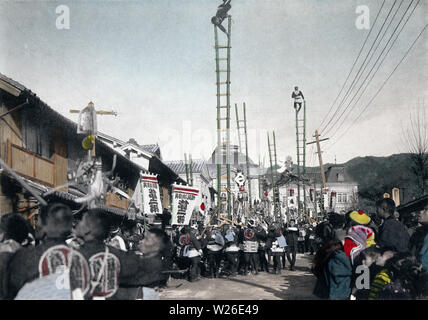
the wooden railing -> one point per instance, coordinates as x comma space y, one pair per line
30, 165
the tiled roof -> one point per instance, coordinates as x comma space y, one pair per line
179, 167
152, 148
12, 82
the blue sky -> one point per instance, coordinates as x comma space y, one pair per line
152, 61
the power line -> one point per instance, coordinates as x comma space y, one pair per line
352, 68
359, 70
374, 65
383, 85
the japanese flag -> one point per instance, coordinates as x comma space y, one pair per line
202, 208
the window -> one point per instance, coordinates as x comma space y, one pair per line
36, 133
345, 197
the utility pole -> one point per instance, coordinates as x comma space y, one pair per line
317, 141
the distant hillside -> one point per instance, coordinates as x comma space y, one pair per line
377, 175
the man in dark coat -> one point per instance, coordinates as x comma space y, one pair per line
14, 232
49, 257
112, 268
188, 239
392, 233
249, 241
292, 235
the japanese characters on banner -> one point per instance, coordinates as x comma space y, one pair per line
183, 202
147, 195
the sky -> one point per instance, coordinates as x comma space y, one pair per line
152, 61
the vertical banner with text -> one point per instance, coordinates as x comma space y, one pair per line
183, 203
148, 199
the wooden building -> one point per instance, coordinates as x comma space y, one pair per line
42, 146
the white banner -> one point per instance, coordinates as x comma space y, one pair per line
182, 202
147, 195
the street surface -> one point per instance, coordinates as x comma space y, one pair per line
289, 285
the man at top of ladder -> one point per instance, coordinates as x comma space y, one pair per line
221, 15
298, 97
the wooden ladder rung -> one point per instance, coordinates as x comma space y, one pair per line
221, 94
222, 47
223, 82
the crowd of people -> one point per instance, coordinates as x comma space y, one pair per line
80, 257
372, 257
92, 256
234, 249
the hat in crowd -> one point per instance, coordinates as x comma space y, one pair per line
251, 223
359, 217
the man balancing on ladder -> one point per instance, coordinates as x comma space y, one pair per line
298, 97
221, 15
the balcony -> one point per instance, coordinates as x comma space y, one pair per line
48, 172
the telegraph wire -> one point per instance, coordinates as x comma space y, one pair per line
383, 85
352, 68
359, 70
374, 65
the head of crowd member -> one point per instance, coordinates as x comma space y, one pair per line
385, 208
186, 228
56, 222
355, 218
155, 242
94, 226
375, 258
251, 223
129, 228
337, 220
14, 227
423, 216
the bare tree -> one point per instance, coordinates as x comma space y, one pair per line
416, 141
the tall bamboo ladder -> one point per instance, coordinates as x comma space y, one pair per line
241, 126
273, 172
301, 157
223, 157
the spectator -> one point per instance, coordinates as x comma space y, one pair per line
232, 251
113, 269
292, 234
392, 232
14, 232
156, 244
419, 240
333, 271
30, 266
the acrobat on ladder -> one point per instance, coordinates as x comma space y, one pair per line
299, 100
